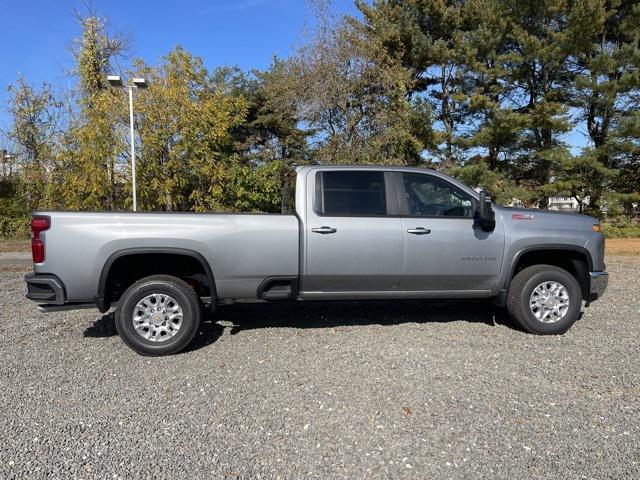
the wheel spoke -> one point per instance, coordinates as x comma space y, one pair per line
143, 330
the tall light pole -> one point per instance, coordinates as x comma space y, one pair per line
116, 81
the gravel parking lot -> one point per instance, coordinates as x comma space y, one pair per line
338, 390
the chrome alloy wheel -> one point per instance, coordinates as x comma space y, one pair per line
157, 317
549, 302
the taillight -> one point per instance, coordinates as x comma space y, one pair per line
38, 224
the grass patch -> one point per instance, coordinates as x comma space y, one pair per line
15, 246
622, 246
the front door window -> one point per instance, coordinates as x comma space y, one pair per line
429, 196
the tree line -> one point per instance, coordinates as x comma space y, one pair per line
491, 91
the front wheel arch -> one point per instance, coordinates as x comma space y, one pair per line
574, 259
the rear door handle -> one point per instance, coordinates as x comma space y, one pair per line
419, 231
324, 230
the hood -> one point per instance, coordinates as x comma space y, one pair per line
550, 217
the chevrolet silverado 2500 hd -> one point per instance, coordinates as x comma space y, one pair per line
353, 233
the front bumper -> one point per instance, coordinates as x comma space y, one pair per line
45, 288
598, 282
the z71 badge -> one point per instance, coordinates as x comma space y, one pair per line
523, 216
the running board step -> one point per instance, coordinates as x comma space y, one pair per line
278, 288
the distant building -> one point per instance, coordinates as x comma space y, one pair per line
567, 204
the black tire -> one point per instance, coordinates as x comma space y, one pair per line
523, 285
181, 292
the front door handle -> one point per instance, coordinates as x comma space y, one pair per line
324, 230
419, 230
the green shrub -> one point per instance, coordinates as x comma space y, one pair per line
14, 227
621, 228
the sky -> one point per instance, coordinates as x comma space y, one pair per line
36, 34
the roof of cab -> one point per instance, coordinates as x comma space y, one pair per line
302, 168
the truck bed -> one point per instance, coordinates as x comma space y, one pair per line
242, 249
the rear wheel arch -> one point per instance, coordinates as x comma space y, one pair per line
103, 297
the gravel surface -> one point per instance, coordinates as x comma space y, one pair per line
337, 390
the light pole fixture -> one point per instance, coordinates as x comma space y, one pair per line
140, 82
116, 81
4, 158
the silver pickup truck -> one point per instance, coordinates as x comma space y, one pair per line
351, 233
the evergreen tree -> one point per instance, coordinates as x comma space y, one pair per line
605, 92
425, 38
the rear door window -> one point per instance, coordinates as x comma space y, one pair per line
351, 193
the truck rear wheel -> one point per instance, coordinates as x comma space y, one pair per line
158, 315
544, 299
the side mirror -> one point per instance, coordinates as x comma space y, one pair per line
485, 216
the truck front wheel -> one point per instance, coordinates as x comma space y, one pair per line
158, 315
544, 299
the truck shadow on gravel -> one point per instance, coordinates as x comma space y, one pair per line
305, 315
333, 314
102, 328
